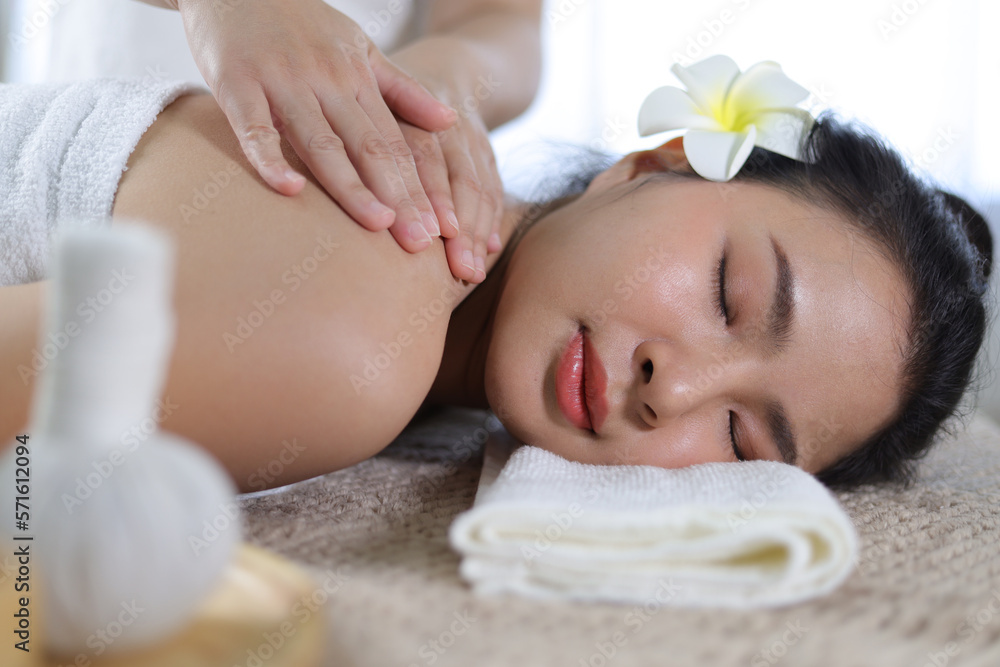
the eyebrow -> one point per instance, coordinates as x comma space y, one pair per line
781, 432
782, 311
779, 325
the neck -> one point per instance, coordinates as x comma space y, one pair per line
460, 378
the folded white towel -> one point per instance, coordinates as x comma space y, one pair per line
737, 535
63, 148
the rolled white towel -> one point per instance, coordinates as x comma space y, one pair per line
737, 535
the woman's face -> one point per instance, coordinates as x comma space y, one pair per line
636, 268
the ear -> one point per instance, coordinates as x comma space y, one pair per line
668, 157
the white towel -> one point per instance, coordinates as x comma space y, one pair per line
63, 148
736, 535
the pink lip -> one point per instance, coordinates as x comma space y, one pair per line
595, 385
581, 383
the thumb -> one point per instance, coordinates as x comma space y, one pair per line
410, 100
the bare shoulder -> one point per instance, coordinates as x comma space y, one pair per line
294, 322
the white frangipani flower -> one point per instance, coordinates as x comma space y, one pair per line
727, 112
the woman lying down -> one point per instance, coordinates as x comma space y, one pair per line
824, 309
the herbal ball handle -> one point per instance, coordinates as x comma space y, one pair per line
112, 286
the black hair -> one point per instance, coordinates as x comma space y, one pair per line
941, 245
944, 249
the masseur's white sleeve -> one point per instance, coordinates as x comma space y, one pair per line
74, 41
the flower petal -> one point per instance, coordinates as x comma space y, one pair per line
783, 130
717, 156
670, 108
707, 81
763, 86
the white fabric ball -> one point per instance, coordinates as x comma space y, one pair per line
133, 527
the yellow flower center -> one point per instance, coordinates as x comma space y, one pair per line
735, 113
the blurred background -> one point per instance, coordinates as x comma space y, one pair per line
915, 70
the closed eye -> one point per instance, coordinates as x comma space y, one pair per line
720, 286
732, 439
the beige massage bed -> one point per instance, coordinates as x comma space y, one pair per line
926, 590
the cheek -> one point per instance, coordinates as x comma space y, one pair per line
686, 442
663, 266
671, 447
521, 346
604, 259
653, 293
501, 380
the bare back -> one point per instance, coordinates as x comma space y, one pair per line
305, 343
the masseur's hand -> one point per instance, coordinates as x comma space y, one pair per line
459, 173
301, 69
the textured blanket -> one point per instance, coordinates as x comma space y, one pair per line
926, 590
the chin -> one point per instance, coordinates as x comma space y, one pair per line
508, 404
503, 409
523, 426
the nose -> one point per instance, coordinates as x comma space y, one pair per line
674, 379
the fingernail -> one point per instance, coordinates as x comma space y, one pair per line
431, 224
293, 176
494, 242
480, 266
418, 233
468, 261
452, 220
